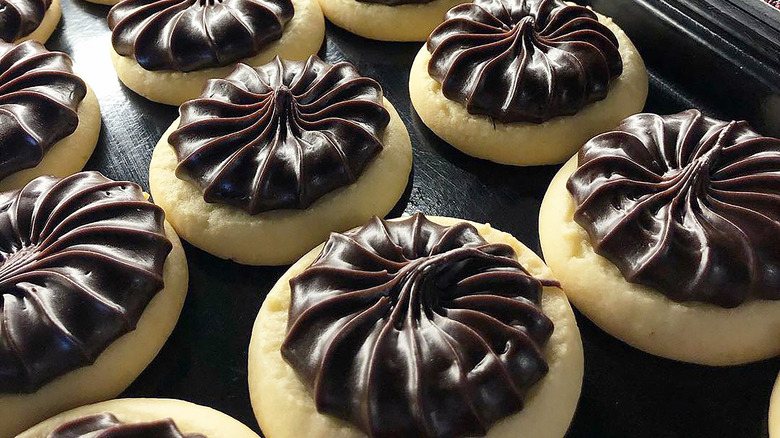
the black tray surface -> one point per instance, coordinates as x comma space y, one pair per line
626, 393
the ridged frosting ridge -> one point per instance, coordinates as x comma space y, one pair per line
523, 60
106, 425
186, 35
410, 328
280, 135
80, 259
685, 204
19, 18
39, 100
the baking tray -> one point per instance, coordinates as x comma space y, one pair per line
626, 393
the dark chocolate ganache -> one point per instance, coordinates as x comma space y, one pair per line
280, 135
39, 100
19, 18
106, 425
523, 60
80, 259
685, 204
186, 35
410, 328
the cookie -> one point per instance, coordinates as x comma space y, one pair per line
49, 117
93, 280
416, 327
664, 233
388, 20
141, 417
167, 52
22, 20
270, 160
774, 412
525, 82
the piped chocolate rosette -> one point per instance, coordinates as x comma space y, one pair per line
80, 260
20, 18
685, 204
106, 425
411, 328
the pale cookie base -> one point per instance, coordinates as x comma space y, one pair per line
279, 237
301, 38
189, 417
44, 30
117, 366
774, 412
103, 2
68, 155
285, 408
640, 316
523, 143
411, 22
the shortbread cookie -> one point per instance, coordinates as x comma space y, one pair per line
93, 280
425, 327
525, 82
272, 159
665, 232
141, 417
388, 20
22, 20
49, 117
774, 412
167, 51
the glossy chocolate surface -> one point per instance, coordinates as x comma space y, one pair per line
80, 259
39, 99
19, 18
410, 328
685, 204
523, 60
280, 135
186, 35
106, 425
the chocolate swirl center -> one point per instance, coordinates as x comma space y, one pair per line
523, 60
80, 259
685, 204
19, 18
187, 35
106, 425
39, 100
281, 135
410, 328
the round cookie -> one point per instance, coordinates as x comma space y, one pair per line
284, 404
167, 418
24, 20
347, 157
774, 411
490, 106
687, 299
178, 70
49, 117
388, 20
102, 262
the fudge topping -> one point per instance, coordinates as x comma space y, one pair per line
106, 425
280, 135
80, 259
39, 100
410, 328
685, 204
186, 35
523, 60
19, 18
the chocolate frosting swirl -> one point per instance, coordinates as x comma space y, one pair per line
39, 100
106, 425
523, 60
186, 35
280, 135
80, 259
685, 204
19, 18
410, 328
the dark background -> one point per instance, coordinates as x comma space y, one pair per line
626, 393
